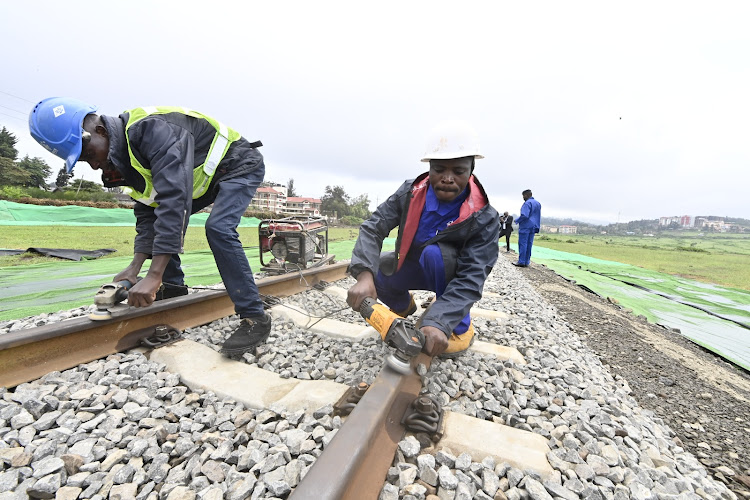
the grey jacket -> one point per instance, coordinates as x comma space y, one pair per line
171, 146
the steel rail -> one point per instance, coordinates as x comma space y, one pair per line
355, 463
30, 353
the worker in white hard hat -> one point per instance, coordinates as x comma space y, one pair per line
447, 243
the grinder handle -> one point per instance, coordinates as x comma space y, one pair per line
126, 284
366, 308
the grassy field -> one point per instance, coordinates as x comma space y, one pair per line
713, 258
119, 238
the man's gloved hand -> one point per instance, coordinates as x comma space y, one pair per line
435, 341
365, 287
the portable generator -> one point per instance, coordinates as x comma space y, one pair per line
293, 243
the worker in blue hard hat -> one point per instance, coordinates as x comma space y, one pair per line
173, 162
447, 243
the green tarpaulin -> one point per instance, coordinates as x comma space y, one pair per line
713, 316
21, 214
54, 286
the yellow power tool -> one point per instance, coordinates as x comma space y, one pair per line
395, 331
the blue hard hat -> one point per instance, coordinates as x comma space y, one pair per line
57, 124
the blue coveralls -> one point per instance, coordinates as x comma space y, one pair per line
529, 223
423, 269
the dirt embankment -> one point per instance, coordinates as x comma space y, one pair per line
704, 399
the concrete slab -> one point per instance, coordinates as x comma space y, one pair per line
200, 367
356, 333
340, 293
336, 292
330, 327
499, 351
488, 314
481, 438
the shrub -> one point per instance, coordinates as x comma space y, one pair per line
350, 220
36, 195
11, 192
691, 249
258, 214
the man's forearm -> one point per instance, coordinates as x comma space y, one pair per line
158, 265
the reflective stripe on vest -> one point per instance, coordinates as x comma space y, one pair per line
202, 174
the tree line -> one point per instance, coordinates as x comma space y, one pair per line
33, 172
336, 202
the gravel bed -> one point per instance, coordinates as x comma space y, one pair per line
123, 427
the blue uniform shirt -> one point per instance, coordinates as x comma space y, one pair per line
436, 215
531, 216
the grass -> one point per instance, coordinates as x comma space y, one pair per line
723, 259
119, 238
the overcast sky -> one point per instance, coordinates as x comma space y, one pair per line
607, 111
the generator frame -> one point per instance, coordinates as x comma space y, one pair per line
296, 242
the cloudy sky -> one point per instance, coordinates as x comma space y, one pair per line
607, 111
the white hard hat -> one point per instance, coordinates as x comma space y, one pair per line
452, 139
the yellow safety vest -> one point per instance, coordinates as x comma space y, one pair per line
202, 174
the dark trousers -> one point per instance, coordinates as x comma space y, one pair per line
221, 232
425, 273
507, 241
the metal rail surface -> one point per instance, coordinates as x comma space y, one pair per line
356, 461
30, 353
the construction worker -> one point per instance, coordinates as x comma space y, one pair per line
173, 162
529, 223
447, 243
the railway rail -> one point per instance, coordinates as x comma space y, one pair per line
29, 354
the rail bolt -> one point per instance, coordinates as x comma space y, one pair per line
424, 405
361, 389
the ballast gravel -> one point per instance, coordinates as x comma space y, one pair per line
122, 427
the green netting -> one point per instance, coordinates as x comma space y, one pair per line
715, 317
695, 308
21, 214
50, 287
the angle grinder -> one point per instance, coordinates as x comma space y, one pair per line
108, 298
395, 331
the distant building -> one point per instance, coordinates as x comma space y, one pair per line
685, 221
272, 197
719, 226
268, 199
568, 230
548, 229
296, 205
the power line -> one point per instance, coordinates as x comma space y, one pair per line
11, 116
12, 95
6, 107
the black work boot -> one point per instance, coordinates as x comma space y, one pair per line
250, 334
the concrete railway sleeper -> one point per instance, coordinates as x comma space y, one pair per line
181, 421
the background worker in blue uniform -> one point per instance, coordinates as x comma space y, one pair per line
447, 243
529, 223
173, 162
